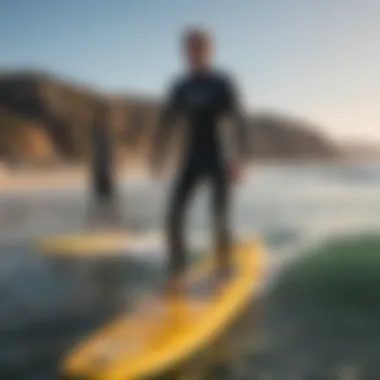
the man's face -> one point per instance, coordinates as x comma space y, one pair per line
198, 51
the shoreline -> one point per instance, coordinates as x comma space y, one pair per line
56, 178
64, 177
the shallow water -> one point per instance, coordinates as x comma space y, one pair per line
296, 329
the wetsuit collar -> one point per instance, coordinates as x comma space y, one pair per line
200, 73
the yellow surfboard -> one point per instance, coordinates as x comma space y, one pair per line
92, 243
162, 332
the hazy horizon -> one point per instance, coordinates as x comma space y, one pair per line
315, 61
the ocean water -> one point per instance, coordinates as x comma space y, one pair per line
317, 312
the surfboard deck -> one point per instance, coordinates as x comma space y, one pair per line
163, 332
92, 243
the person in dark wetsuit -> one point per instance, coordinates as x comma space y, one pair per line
103, 186
203, 97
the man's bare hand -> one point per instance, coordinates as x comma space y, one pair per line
236, 172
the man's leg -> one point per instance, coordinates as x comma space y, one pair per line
221, 203
112, 213
176, 220
104, 211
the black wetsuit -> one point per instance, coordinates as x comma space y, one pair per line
203, 100
101, 159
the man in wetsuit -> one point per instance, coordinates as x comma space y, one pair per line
102, 170
203, 97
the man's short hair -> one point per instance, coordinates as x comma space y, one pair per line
196, 34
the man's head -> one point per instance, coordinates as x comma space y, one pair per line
198, 47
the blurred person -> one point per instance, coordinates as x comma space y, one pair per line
104, 203
203, 97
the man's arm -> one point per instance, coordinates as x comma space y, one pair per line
239, 121
168, 116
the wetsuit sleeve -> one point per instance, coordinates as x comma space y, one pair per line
235, 110
168, 116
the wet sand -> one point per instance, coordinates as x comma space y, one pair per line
57, 178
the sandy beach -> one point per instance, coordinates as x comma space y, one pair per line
56, 178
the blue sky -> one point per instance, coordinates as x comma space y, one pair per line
318, 59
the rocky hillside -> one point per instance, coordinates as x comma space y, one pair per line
363, 151
45, 119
